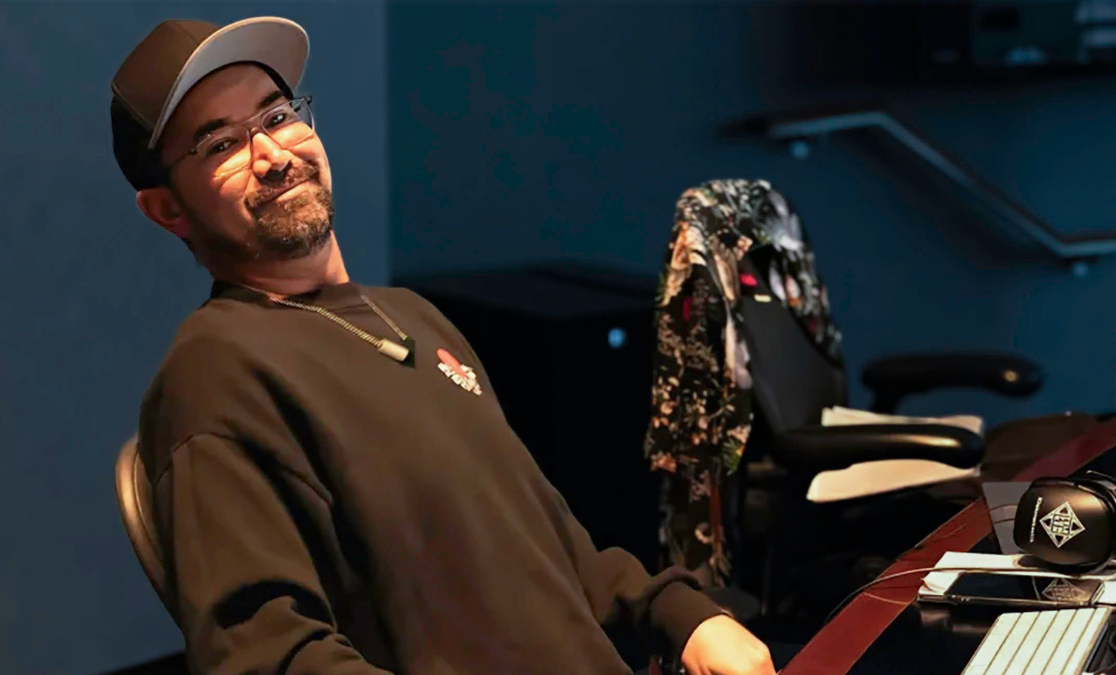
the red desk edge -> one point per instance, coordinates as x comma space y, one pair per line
841, 643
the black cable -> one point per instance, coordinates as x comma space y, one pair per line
1103, 670
934, 537
919, 570
880, 580
927, 570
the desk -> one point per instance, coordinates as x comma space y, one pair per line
883, 631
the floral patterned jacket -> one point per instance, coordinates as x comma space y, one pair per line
702, 388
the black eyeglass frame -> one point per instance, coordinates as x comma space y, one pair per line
164, 169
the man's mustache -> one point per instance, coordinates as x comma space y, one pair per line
270, 190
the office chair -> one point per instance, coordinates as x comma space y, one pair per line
137, 508
794, 369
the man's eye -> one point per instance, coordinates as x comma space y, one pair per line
277, 119
220, 146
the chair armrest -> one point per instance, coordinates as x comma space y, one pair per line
894, 377
817, 449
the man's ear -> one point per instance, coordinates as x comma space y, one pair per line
161, 206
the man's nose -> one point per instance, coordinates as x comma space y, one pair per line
268, 156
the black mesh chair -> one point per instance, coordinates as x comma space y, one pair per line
793, 381
134, 495
793, 385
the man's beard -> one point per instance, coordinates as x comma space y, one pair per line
288, 230
295, 227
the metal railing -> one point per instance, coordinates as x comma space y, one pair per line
1068, 248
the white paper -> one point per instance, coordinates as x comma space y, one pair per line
885, 475
839, 416
935, 584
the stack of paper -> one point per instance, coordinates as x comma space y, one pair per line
870, 478
838, 416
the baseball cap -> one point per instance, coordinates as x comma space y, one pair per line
175, 56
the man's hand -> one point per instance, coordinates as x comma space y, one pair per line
721, 646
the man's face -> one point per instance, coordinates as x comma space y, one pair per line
278, 207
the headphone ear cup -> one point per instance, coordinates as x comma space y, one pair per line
1023, 532
1051, 482
1068, 524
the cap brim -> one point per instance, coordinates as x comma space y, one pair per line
280, 44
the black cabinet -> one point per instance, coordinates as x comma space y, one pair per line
568, 350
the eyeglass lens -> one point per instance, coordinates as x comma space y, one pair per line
230, 149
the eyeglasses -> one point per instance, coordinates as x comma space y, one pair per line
229, 149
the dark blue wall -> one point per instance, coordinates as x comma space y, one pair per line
540, 132
517, 132
93, 293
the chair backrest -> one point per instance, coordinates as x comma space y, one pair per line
137, 507
793, 381
796, 367
781, 313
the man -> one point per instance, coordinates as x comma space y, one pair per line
335, 484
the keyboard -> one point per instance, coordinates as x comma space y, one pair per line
1054, 642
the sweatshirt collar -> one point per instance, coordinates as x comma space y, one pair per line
337, 296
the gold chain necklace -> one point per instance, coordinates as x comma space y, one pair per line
388, 348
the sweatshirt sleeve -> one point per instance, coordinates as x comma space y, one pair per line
248, 596
668, 605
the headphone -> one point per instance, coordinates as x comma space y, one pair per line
1068, 524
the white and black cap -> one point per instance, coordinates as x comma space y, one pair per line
176, 55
